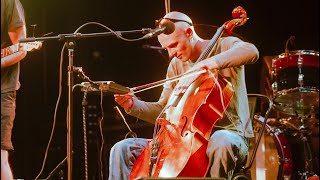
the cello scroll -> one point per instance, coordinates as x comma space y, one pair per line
240, 18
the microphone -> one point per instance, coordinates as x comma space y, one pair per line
166, 28
147, 46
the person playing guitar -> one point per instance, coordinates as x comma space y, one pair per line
13, 28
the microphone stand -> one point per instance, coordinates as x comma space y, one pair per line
70, 41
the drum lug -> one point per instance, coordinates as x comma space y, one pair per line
275, 131
300, 79
300, 76
300, 61
274, 86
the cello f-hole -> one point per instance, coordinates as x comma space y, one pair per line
183, 132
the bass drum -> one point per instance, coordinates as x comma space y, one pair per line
279, 155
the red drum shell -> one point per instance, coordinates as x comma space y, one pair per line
310, 58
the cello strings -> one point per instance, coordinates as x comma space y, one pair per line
157, 126
221, 97
219, 87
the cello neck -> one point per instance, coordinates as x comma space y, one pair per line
209, 48
240, 18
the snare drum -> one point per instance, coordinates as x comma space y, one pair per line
296, 82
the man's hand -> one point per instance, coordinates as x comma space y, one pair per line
184, 83
125, 101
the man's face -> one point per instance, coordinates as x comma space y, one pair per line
177, 44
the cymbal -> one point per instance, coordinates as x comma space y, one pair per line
207, 31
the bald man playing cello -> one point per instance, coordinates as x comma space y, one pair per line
227, 148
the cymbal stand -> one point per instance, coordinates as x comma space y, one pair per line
245, 169
308, 158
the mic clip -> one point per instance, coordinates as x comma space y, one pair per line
146, 30
82, 75
154, 32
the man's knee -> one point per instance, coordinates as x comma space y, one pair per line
120, 146
220, 139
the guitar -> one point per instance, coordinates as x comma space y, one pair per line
29, 46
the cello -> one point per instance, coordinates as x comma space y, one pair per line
183, 128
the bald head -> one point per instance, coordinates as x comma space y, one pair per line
178, 15
181, 42
181, 20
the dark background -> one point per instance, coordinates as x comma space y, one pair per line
270, 24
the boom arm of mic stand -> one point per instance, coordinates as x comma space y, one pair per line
62, 37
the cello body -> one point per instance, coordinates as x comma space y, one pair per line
185, 130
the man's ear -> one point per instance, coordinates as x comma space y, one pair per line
189, 32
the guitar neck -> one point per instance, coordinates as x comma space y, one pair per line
9, 50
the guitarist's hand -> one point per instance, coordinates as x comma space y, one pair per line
15, 34
14, 53
12, 59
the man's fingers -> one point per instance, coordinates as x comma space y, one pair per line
122, 99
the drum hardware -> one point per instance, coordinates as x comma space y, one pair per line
304, 126
274, 86
273, 129
264, 123
308, 167
293, 130
305, 131
300, 75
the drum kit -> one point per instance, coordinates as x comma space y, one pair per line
291, 144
